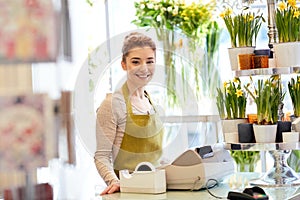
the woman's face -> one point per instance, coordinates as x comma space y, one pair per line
140, 66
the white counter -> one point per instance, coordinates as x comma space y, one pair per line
236, 182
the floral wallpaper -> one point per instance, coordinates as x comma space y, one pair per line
25, 127
28, 31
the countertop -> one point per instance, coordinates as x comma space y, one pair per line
235, 182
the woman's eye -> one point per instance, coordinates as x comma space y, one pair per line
135, 62
150, 62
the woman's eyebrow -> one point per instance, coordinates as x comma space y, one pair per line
135, 58
138, 58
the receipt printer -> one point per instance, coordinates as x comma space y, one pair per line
192, 169
144, 179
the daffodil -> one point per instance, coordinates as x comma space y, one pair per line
282, 6
296, 14
228, 11
251, 17
236, 80
225, 84
292, 3
239, 93
222, 15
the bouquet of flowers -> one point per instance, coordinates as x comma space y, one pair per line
190, 19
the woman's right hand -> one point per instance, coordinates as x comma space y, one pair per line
112, 188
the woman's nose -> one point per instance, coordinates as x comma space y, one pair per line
144, 66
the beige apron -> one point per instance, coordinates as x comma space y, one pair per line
142, 141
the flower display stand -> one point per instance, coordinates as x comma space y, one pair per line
280, 175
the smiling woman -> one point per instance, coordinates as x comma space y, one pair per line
128, 128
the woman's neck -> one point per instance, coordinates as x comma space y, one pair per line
138, 99
135, 91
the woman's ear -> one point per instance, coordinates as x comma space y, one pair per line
123, 64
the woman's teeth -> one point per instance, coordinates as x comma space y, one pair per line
143, 76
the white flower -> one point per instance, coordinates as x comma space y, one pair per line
175, 11
169, 9
142, 6
156, 7
150, 5
158, 18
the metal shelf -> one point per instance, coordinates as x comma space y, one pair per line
190, 118
267, 71
262, 146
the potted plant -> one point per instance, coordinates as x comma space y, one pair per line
245, 160
267, 95
231, 100
294, 91
231, 103
243, 29
287, 18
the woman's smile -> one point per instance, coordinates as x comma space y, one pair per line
143, 76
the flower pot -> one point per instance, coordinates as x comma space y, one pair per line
287, 54
260, 61
230, 129
290, 137
265, 133
262, 52
245, 61
282, 127
296, 124
233, 55
245, 132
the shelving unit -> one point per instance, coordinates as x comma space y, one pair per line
280, 175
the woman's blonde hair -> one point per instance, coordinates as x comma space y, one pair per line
134, 40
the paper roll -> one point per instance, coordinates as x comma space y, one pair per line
145, 166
